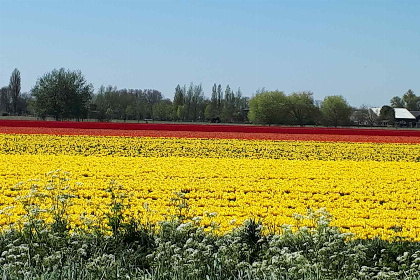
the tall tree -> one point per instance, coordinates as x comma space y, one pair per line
152, 97
62, 94
241, 104
178, 100
335, 111
113, 108
140, 104
189, 102
197, 103
4, 100
14, 88
212, 109
100, 105
219, 99
228, 108
214, 99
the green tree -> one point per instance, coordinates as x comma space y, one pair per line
268, 107
139, 104
412, 102
228, 108
387, 114
101, 105
335, 111
130, 113
397, 102
197, 104
4, 100
409, 100
212, 109
14, 89
301, 108
241, 104
208, 112
152, 97
182, 112
189, 104
107, 103
126, 100
163, 110
219, 99
62, 94
178, 100
23, 104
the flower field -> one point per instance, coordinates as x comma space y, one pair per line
369, 180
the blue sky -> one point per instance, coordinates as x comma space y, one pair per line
367, 51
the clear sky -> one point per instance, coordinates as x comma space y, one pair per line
366, 50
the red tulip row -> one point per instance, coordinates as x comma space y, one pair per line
211, 131
213, 128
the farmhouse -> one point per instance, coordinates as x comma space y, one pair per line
416, 114
402, 116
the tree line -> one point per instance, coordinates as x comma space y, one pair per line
65, 94
409, 100
12, 101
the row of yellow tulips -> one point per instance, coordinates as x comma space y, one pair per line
205, 148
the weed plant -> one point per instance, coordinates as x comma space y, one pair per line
180, 248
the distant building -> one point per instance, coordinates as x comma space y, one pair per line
416, 114
402, 116
363, 117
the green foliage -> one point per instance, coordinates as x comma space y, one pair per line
275, 107
4, 100
397, 102
115, 218
163, 110
178, 101
228, 109
301, 108
268, 107
409, 100
213, 109
14, 89
387, 114
335, 111
132, 104
189, 104
62, 94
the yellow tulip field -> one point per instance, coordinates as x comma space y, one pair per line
371, 189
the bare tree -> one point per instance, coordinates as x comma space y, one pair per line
365, 116
14, 89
